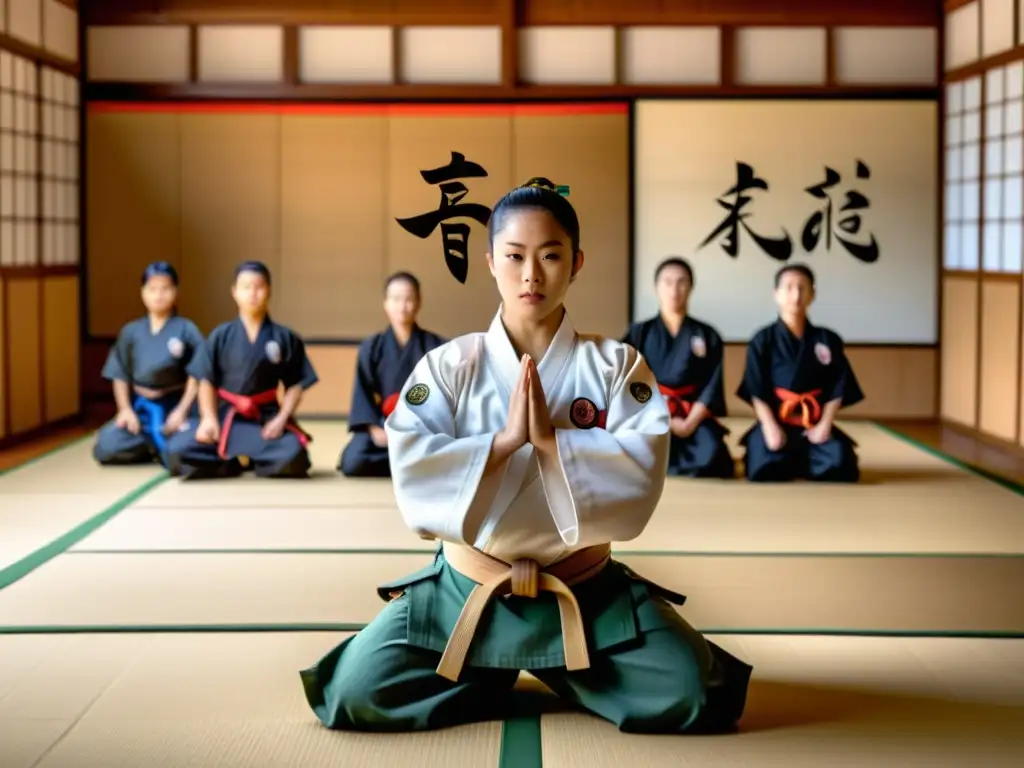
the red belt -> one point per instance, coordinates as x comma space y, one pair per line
800, 409
389, 404
680, 400
248, 406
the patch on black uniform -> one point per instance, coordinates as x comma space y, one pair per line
640, 391
583, 413
417, 394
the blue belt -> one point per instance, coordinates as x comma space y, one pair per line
157, 416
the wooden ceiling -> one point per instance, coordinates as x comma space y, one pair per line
527, 12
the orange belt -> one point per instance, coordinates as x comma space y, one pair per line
248, 406
680, 400
799, 409
389, 404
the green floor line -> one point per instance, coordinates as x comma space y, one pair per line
967, 466
46, 454
115, 629
616, 552
521, 745
43, 555
129, 629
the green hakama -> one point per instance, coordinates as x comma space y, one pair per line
650, 671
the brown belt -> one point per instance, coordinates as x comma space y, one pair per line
523, 578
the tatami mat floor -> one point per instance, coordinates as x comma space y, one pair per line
145, 622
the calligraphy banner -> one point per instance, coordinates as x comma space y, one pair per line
741, 188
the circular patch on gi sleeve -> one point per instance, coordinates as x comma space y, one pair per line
417, 394
583, 413
640, 391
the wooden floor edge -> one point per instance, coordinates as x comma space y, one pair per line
19, 449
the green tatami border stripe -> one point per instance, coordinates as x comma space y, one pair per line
966, 466
615, 552
46, 454
59, 546
521, 745
115, 629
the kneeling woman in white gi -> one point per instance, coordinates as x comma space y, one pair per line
526, 450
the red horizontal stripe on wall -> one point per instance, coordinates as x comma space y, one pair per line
392, 110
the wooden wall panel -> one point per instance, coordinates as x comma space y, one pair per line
4, 368
999, 364
231, 193
418, 143
23, 354
333, 222
135, 196
61, 348
959, 346
898, 382
336, 367
564, 147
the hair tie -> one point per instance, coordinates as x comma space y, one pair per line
541, 183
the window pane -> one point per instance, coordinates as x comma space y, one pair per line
1013, 158
972, 126
954, 209
1012, 232
994, 120
1014, 116
972, 93
994, 79
954, 98
992, 247
969, 247
952, 242
993, 158
971, 162
972, 201
1013, 206
1015, 80
993, 199
954, 130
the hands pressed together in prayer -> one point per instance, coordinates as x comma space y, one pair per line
529, 420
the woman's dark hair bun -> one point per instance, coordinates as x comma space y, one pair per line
539, 192
541, 183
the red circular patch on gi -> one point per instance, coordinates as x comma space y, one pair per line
583, 413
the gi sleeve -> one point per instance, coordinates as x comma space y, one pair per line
118, 366
194, 342
297, 369
713, 393
435, 474
757, 375
843, 384
203, 366
605, 483
365, 411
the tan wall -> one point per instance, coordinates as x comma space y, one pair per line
315, 192
982, 354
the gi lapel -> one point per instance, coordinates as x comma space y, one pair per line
265, 348
501, 357
557, 357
